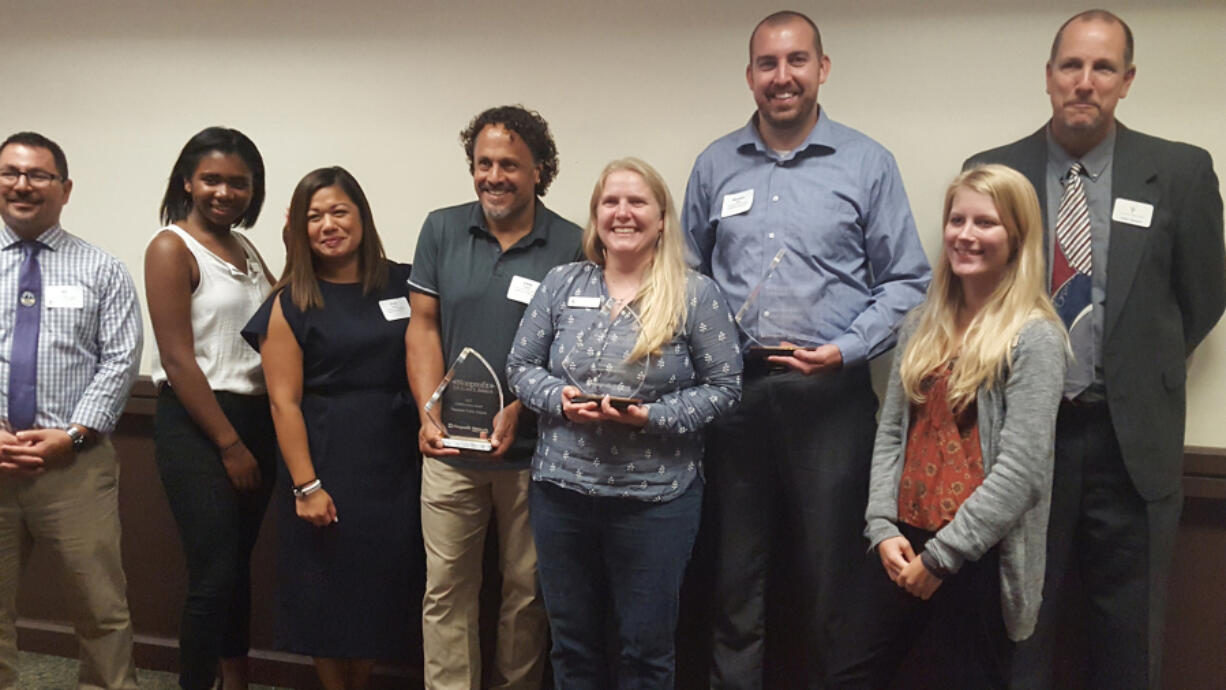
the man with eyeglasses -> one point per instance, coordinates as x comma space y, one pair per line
70, 339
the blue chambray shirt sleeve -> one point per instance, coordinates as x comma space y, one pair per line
527, 362
695, 214
899, 267
120, 338
714, 349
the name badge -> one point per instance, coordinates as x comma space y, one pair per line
739, 202
577, 302
64, 296
395, 308
1136, 213
522, 289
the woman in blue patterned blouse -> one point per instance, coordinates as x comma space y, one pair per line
617, 489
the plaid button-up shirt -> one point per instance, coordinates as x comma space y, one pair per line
89, 333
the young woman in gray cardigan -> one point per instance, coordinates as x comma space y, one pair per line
961, 475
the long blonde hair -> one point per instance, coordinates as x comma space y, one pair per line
661, 300
984, 352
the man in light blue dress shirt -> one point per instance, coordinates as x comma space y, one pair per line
805, 225
58, 472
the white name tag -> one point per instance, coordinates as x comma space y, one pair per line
1136, 213
64, 296
577, 302
736, 203
522, 289
395, 308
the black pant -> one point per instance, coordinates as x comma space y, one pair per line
792, 459
960, 630
218, 526
1118, 547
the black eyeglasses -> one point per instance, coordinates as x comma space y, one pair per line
37, 178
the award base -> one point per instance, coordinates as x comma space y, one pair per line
618, 403
477, 444
762, 351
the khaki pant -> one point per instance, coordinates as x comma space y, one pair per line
72, 510
455, 513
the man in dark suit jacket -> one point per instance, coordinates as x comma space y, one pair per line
1155, 288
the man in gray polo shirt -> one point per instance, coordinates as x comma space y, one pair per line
477, 266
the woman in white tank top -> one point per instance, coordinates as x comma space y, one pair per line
215, 448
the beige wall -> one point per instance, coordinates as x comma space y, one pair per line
384, 87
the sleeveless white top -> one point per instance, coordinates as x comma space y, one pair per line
222, 303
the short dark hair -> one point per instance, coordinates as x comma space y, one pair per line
36, 140
785, 17
530, 127
177, 203
1100, 15
299, 273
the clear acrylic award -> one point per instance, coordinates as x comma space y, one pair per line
772, 317
598, 364
469, 399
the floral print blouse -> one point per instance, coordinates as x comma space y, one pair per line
571, 335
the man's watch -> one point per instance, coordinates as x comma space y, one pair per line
78, 438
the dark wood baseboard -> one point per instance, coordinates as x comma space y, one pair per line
157, 578
1204, 472
162, 654
153, 562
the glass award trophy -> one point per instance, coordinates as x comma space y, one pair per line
774, 313
598, 364
469, 399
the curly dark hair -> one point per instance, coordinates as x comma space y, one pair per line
530, 126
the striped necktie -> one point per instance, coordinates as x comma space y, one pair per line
1073, 221
1070, 283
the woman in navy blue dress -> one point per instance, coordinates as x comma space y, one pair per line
332, 342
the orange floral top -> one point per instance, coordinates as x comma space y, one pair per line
943, 462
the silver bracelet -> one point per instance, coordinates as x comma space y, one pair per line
308, 488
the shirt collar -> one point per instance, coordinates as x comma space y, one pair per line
819, 140
540, 224
51, 238
1095, 161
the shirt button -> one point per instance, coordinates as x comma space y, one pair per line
775, 198
770, 236
766, 313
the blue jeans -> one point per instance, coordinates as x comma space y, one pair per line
612, 564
